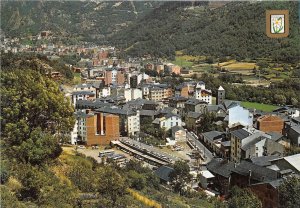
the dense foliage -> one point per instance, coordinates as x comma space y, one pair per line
34, 116
289, 192
236, 30
243, 198
278, 93
36, 62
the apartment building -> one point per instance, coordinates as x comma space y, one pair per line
158, 92
82, 95
203, 94
249, 142
132, 94
129, 119
84, 87
95, 128
270, 123
168, 121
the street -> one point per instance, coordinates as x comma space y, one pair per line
195, 142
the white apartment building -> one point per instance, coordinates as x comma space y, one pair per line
203, 94
133, 123
82, 95
168, 121
84, 87
104, 92
132, 94
239, 115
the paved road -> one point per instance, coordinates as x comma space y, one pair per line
208, 154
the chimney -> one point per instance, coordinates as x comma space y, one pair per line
250, 173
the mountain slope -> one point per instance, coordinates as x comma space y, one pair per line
88, 19
236, 29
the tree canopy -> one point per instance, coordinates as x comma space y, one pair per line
243, 198
181, 176
34, 115
289, 193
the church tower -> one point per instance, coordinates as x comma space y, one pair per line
221, 95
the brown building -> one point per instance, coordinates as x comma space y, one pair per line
101, 129
184, 91
108, 77
176, 69
267, 192
149, 66
159, 68
120, 77
103, 55
270, 123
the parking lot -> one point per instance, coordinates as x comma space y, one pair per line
94, 153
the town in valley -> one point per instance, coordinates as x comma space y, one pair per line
87, 125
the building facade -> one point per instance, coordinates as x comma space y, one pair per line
270, 123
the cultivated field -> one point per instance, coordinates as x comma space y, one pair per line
259, 106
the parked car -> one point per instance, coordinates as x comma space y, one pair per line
95, 147
81, 147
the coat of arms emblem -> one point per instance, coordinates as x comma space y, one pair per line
277, 23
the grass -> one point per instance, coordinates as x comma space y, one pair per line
145, 200
240, 66
181, 61
77, 78
169, 199
259, 106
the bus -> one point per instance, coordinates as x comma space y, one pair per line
106, 153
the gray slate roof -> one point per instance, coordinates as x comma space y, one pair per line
91, 104
257, 172
83, 93
275, 136
195, 115
164, 172
263, 160
220, 167
224, 168
193, 101
212, 135
241, 133
231, 103
148, 112
116, 111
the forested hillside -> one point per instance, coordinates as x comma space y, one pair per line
88, 20
236, 29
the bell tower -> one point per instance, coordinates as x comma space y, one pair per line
221, 95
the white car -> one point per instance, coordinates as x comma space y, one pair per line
81, 147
